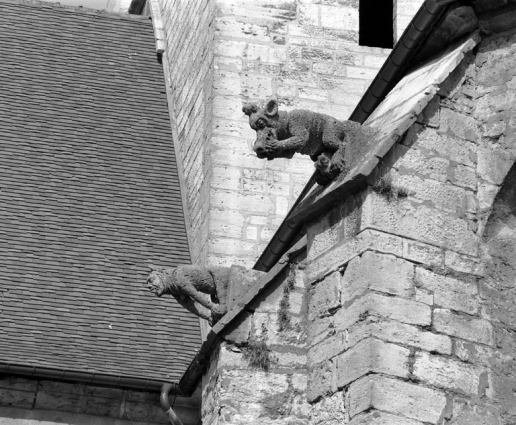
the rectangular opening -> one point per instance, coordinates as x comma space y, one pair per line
376, 27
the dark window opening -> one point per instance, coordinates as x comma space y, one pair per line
376, 25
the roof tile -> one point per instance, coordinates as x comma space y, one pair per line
89, 196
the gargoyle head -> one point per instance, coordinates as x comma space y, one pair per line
156, 281
266, 122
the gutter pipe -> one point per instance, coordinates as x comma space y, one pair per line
389, 75
166, 389
84, 377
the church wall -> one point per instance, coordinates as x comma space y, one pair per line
220, 54
188, 67
26, 401
415, 323
305, 53
258, 374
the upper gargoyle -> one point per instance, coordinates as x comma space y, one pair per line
281, 134
202, 291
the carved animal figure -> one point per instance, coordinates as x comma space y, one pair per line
281, 134
202, 291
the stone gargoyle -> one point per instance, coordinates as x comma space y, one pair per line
202, 291
281, 134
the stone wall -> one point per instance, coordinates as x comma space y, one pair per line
306, 54
220, 54
258, 374
25, 401
412, 293
188, 67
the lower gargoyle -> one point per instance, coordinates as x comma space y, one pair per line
202, 291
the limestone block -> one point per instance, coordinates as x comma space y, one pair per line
423, 296
372, 355
235, 27
324, 233
476, 330
256, 86
435, 143
401, 333
466, 414
340, 85
17, 398
325, 296
71, 398
361, 73
299, 382
346, 250
423, 253
314, 94
342, 18
234, 247
281, 206
230, 64
234, 201
381, 418
226, 177
463, 263
330, 347
463, 176
18, 383
229, 358
419, 222
494, 164
141, 412
486, 195
447, 373
440, 195
225, 107
308, 14
314, 54
320, 329
380, 272
375, 61
458, 125
397, 397
252, 385
448, 292
227, 82
251, 233
415, 162
265, 326
329, 411
477, 354
399, 309
289, 360
321, 381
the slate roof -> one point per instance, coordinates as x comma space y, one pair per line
89, 196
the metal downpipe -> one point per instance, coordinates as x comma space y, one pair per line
165, 404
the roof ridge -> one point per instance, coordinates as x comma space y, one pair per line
101, 13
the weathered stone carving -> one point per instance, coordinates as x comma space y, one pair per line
281, 134
202, 291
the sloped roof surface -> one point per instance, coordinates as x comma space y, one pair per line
89, 196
